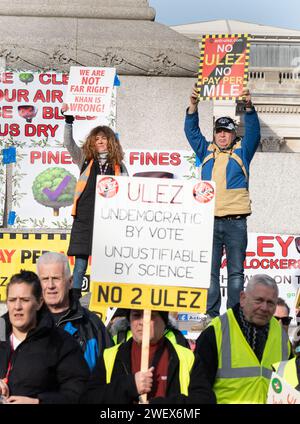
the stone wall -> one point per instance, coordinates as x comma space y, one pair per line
151, 112
275, 194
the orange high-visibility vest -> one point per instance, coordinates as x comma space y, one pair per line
82, 182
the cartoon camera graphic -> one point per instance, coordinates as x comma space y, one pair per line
27, 112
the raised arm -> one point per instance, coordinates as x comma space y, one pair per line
193, 106
191, 127
69, 142
252, 127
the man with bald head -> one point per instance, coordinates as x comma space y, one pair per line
239, 347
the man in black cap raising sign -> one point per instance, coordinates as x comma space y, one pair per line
226, 161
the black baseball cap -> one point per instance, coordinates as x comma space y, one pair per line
225, 123
164, 315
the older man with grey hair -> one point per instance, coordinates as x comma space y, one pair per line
85, 326
239, 347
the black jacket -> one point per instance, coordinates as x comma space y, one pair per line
122, 389
87, 329
47, 365
81, 237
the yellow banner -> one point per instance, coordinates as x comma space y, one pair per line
141, 296
101, 312
21, 251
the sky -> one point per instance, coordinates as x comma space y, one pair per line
281, 13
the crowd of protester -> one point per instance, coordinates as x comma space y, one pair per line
54, 350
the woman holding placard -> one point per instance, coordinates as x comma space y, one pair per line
101, 154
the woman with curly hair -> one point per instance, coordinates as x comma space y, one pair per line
101, 154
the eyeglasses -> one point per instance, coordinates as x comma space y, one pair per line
284, 320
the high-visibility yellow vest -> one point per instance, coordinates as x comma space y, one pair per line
170, 335
128, 336
241, 378
287, 370
185, 356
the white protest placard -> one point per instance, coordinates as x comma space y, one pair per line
89, 91
280, 392
31, 122
152, 232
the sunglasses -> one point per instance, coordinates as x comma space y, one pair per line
218, 130
284, 320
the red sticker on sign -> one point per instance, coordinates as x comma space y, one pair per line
203, 192
108, 187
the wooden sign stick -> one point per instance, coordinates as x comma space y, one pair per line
145, 346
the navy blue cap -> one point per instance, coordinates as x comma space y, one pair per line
225, 123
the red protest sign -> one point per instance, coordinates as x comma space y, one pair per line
90, 91
224, 62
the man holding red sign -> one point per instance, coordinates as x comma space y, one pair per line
224, 65
226, 160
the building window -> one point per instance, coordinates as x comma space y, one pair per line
274, 55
